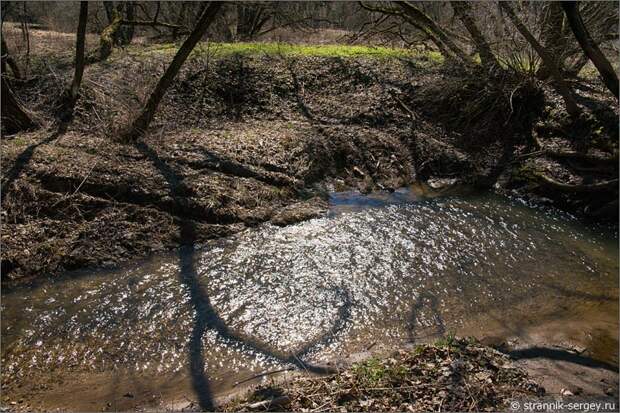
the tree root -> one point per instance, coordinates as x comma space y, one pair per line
612, 160
569, 188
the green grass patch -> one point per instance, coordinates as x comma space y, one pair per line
286, 49
448, 341
17, 141
374, 371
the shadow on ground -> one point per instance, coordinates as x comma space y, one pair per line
206, 317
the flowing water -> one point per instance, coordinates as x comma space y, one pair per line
379, 269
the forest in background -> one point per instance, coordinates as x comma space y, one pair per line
549, 41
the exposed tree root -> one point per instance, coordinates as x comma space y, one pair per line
611, 160
569, 188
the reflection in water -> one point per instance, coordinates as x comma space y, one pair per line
300, 295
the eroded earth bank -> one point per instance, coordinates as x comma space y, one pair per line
525, 231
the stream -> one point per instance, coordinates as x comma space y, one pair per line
380, 270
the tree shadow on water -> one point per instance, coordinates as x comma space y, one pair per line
430, 302
206, 317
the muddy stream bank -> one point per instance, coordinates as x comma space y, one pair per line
379, 271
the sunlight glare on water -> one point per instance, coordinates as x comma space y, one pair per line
381, 269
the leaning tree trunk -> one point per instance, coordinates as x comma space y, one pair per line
79, 56
14, 116
142, 122
463, 10
589, 47
560, 84
424, 24
429, 24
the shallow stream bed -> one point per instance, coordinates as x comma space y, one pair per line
379, 271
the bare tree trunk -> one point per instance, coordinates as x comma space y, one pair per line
415, 23
141, 123
180, 19
14, 116
26, 37
552, 38
127, 32
560, 84
7, 59
79, 55
108, 37
250, 20
425, 21
590, 48
463, 10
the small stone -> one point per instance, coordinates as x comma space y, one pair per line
566, 392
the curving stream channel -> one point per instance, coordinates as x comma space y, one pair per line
381, 270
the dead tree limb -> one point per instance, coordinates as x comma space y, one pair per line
415, 18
